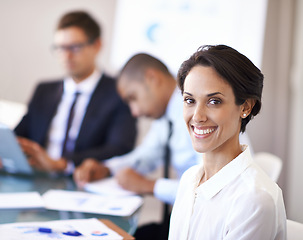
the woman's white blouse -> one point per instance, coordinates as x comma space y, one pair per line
238, 202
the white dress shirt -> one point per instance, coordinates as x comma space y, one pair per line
238, 202
58, 124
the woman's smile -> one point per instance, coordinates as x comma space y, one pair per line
203, 132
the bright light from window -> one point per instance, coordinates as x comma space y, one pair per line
173, 29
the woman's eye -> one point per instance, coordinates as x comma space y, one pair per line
188, 100
214, 101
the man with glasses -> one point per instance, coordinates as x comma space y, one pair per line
80, 118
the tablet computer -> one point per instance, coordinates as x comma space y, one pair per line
12, 157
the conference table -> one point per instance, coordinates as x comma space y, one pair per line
12, 183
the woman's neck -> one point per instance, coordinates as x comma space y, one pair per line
215, 160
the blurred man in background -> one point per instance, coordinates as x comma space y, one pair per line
80, 118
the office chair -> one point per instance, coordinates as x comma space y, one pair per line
11, 112
294, 230
270, 163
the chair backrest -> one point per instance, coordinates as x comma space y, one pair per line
11, 112
294, 230
270, 163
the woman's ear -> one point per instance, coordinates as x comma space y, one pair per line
247, 107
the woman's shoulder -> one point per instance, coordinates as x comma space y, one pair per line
256, 179
255, 188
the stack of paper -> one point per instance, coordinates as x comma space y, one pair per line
107, 187
114, 200
88, 228
91, 203
21, 200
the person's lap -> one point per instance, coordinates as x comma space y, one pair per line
152, 231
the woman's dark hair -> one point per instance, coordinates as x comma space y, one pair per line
243, 76
81, 20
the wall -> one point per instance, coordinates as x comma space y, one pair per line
295, 177
27, 29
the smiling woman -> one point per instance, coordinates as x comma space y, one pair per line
228, 196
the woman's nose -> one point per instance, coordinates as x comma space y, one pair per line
200, 114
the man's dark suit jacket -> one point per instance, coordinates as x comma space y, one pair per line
108, 129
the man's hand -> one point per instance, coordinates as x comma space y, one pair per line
38, 157
130, 180
90, 170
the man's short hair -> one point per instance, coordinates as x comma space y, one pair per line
81, 20
137, 64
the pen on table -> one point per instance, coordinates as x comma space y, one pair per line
65, 232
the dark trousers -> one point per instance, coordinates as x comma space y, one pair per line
153, 231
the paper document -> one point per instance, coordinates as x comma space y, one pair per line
76, 201
88, 228
21, 200
108, 187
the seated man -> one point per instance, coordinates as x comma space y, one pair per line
81, 116
151, 91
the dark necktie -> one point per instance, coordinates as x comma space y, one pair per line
167, 151
167, 158
68, 144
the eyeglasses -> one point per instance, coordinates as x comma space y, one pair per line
73, 48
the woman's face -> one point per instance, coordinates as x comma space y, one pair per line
211, 115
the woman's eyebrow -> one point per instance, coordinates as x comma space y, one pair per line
187, 93
208, 95
213, 94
